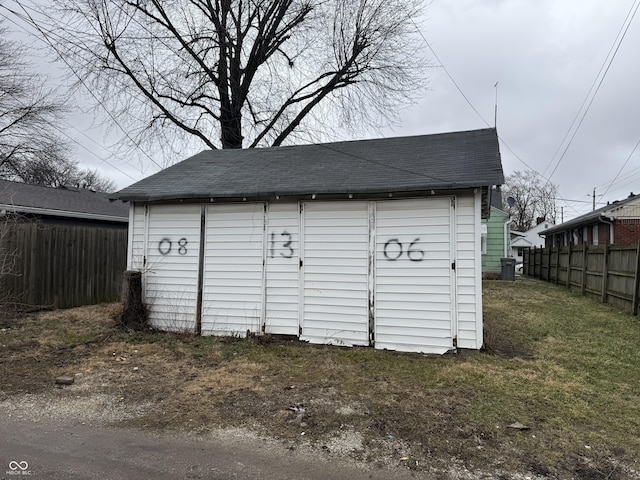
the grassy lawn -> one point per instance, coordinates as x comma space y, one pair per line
566, 367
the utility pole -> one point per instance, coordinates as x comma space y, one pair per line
561, 214
594, 198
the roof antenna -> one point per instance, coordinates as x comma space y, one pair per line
495, 114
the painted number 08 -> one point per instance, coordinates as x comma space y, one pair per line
166, 245
393, 250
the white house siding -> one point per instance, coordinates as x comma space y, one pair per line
232, 296
468, 268
413, 298
279, 267
335, 271
282, 269
171, 266
136, 250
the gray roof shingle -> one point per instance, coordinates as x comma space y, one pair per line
403, 164
60, 201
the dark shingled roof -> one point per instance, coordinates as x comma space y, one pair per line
64, 202
387, 165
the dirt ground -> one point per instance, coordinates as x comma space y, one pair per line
168, 382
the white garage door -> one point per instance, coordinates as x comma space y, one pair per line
414, 279
282, 270
171, 265
232, 294
335, 272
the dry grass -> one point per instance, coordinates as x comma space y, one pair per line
563, 365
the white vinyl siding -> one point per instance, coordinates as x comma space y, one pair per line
413, 306
171, 271
468, 267
233, 269
322, 269
136, 248
282, 269
335, 265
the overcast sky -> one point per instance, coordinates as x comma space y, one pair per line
545, 56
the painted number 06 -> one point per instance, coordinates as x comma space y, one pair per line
393, 250
166, 245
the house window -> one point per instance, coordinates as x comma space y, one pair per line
594, 233
520, 252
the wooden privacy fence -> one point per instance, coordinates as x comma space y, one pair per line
61, 266
608, 272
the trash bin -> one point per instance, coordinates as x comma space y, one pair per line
508, 269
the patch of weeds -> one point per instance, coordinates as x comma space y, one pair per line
232, 346
201, 347
69, 338
167, 340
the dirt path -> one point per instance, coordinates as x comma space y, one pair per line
56, 451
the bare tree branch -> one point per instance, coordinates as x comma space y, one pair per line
30, 148
240, 73
533, 198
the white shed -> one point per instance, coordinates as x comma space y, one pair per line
373, 242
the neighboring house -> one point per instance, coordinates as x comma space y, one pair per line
616, 223
496, 238
529, 239
61, 247
373, 242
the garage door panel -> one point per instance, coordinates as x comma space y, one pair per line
343, 289
335, 300
171, 277
282, 269
411, 331
233, 311
333, 257
413, 300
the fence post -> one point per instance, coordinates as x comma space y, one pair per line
583, 280
605, 273
558, 266
569, 268
548, 263
636, 283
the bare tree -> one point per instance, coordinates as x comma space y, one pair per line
27, 114
533, 197
239, 73
31, 149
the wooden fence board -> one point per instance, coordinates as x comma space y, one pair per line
608, 272
64, 265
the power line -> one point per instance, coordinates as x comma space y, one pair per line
447, 72
593, 84
504, 142
63, 133
46, 34
622, 168
636, 4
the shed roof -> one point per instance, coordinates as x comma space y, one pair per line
607, 212
443, 161
61, 202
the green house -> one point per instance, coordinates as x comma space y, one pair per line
496, 240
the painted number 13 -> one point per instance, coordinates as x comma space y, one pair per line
284, 245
